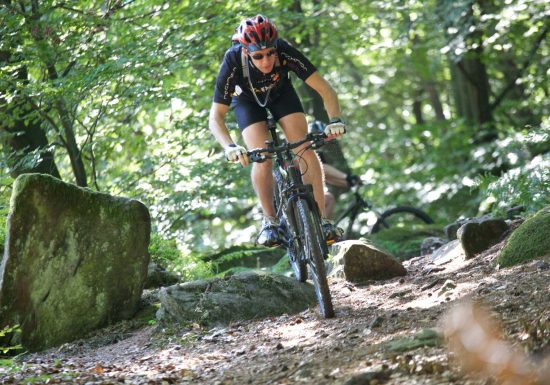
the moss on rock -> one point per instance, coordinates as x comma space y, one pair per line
75, 260
243, 296
2, 233
529, 241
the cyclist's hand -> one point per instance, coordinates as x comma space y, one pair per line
335, 128
235, 153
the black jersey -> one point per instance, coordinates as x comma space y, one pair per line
231, 82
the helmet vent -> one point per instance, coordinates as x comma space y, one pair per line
256, 33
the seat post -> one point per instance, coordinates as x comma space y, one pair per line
272, 127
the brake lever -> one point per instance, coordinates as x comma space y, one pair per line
317, 140
259, 158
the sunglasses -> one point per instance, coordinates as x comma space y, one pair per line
260, 56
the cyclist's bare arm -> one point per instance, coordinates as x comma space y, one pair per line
325, 90
335, 177
216, 123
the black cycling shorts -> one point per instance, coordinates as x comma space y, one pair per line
249, 112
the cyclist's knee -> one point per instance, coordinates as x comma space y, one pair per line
263, 168
311, 154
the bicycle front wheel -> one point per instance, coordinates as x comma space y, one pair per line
292, 245
401, 216
314, 247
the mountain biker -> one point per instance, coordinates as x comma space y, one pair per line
254, 78
333, 176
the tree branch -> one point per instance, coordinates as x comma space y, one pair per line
520, 71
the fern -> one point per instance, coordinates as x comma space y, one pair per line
5, 335
527, 185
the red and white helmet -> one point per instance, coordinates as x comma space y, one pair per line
256, 33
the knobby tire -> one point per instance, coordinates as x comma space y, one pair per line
292, 245
314, 246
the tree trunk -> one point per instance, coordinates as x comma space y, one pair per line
66, 120
469, 76
435, 100
28, 150
28, 147
417, 110
72, 147
471, 85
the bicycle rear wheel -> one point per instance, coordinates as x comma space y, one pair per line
292, 245
314, 246
401, 216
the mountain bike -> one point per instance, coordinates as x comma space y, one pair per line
298, 213
359, 222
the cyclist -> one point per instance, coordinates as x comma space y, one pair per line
254, 78
333, 176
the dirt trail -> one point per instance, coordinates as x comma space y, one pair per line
349, 349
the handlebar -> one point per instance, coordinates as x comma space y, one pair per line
260, 155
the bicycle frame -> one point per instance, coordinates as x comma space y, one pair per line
300, 215
289, 168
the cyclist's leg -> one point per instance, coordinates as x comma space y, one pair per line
255, 136
288, 111
295, 128
251, 119
330, 202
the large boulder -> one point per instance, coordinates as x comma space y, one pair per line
238, 297
74, 260
361, 261
478, 235
529, 241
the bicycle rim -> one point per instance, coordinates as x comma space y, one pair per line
403, 217
313, 244
293, 249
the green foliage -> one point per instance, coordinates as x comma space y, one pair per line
244, 256
138, 77
5, 190
166, 254
527, 183
191, 268
404, 243
9, 365
529, 241
283, 266
2, 230
6, 334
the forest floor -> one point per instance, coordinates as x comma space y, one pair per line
353, 348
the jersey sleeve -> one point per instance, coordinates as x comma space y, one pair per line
295, 60
226, 80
